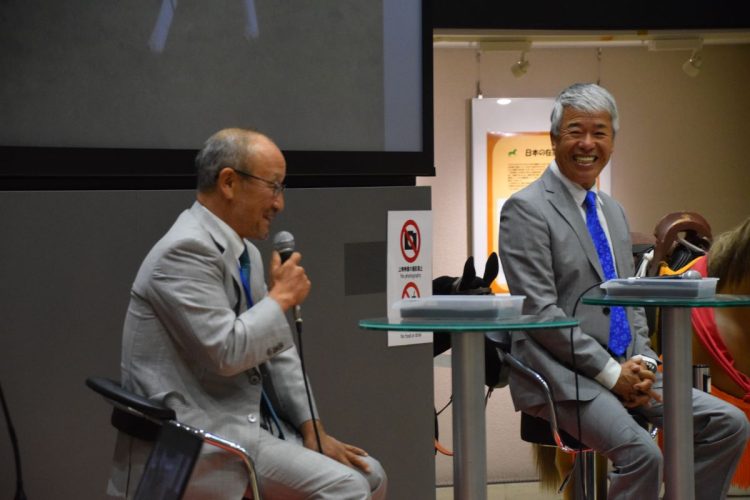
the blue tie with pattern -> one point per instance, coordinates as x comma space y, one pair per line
245, 276
619, 329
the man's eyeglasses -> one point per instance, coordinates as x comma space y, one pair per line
277, 187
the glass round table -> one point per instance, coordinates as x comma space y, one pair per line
677, 353
467, 369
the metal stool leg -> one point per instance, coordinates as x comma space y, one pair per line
586, 476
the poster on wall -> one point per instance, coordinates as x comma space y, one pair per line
514, 160
409, 266
510, 149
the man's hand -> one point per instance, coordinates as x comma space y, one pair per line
332, 447
289, 283
634, 384
643, 388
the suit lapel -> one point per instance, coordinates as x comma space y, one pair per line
234, 273
232, 280
561, 200
615, 227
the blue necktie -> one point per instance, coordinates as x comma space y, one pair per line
619, 330
245, 278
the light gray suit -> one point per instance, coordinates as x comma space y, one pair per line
548, 256
190, 341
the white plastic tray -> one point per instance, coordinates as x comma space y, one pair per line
660, 287
460, 306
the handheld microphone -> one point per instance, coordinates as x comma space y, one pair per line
283, 242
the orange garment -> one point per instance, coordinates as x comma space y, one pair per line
705, 330
704, 327
741, 477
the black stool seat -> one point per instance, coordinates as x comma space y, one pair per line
125, 403
536, 430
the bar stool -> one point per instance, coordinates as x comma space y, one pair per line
176, 447
537, 430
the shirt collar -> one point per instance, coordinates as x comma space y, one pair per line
235, 244
575, 190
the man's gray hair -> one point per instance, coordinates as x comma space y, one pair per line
226, 148
588, 97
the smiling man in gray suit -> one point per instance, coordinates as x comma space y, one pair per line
558, 238
217, 347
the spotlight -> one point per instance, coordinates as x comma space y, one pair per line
520, 67
692, 66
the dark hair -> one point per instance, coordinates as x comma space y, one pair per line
226, 148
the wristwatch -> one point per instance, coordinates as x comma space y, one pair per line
650, 363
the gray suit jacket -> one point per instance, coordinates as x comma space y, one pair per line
190, 341
548, 256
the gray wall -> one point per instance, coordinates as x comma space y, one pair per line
67, 261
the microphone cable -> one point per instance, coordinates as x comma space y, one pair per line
283, 243
298, 325
20, 494
450, 400
575, 374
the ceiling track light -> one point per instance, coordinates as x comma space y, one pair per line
520, 67
692, 66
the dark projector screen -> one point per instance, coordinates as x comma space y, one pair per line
111, 89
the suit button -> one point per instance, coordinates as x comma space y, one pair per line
252, 418
254, 379
270, 351
605, 310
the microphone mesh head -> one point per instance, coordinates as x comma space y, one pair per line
691, 274
283, 242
